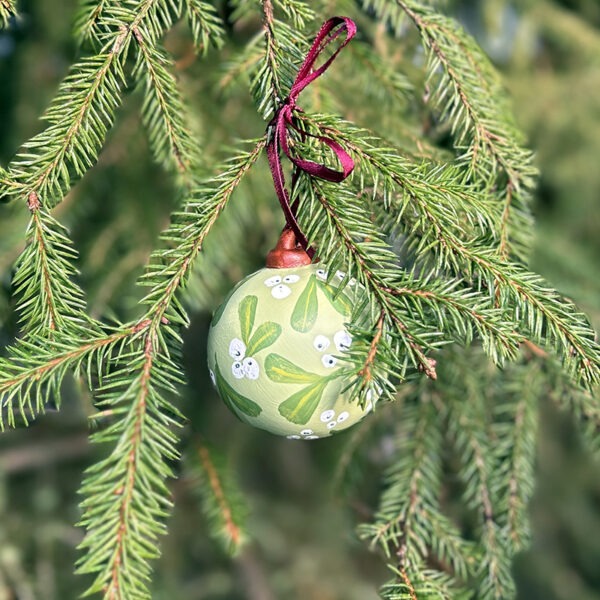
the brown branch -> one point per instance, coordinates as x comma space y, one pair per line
515, 501
47, 283
271, 57
232, 529
405, 579
36, 373
365, 372
126, 491
535, 349
41, 454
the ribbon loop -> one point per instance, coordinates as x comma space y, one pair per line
283, 121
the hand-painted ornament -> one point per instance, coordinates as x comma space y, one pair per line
276, 347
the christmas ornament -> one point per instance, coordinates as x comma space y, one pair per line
276, 345
276, 348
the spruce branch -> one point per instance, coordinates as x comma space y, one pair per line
399, 293
88, 18
470, 97
276, 71
297, 11
49, 299
466, 414
169, 269
408, 524
205, 24
221, 503
272, 54
422, 211
163, 111
83, 110
32, 373
411, 484
126, 497
422, 584
481, 120
154, 17
515, 432
405, 185
8, 9
78, 118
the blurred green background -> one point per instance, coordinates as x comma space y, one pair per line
301, 525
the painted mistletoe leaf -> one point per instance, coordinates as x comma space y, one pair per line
300, 407
307, 307
283, 371
234, 400
338, 300
263, 337
247, 312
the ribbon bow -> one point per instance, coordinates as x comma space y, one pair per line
284, 119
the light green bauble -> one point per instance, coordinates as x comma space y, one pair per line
275, 353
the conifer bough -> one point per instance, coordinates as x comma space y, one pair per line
437, 240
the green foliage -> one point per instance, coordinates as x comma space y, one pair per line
221, 500
434, 224
8, 9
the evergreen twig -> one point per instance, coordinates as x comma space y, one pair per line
8, 9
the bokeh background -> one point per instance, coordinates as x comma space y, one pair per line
300, 520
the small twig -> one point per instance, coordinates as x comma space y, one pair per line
43, 454
214, 480
535, 349
365, 372
405, 579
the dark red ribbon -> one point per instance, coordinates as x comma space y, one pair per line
284, 119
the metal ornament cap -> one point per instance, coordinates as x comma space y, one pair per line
287, 253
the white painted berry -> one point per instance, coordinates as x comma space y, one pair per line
343, 416
237, 349
291, 278
321, 343
342, 340
327, 415
329, 361
280, 291
251, 368
238, 370
272, 281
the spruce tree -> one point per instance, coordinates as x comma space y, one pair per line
461, 340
